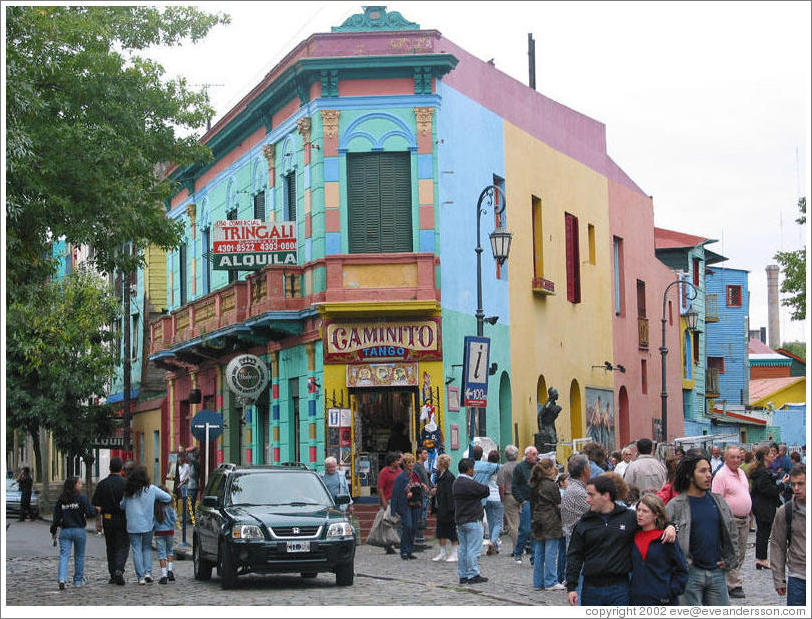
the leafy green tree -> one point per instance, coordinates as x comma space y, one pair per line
796, 348
60, 355
793, 269
89, 120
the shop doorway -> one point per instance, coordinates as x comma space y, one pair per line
386, 420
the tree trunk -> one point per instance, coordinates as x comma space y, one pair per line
89, 460
40, 473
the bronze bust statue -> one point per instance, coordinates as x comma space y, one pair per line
547, 438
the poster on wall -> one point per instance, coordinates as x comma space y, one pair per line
346, 456
382, 375
345, 437
332, 436
333, 418
600, 416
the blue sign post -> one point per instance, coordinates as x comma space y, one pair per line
475, 365
207, 425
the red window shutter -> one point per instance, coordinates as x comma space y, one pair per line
696, 271
573, 259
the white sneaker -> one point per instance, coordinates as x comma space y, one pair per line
148, 578
441, 557
556, 587
452, 558
142, 581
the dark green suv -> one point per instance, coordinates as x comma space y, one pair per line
271, 519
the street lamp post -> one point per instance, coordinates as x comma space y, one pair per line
500, 245
690, 318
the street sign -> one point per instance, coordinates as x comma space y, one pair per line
207, 419
475, 364
246, 376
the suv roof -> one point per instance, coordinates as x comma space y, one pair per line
246, 468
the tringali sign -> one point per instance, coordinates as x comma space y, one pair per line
250, 244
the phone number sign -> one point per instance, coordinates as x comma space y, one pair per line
475, 364
250, 244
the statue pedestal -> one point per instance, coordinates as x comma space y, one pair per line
542, 444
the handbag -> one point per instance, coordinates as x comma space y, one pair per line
382, 532
390, 518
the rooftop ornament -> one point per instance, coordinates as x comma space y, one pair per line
375, 18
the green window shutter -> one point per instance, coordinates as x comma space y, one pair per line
380, 205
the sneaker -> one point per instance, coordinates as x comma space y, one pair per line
118, 577
453, 557
440, 557
556, 587
112, 580
463, 581
148, 578
61, 585
171, 576
517, 559
736, 592
164, 581
142, 581
477, 579
390, 550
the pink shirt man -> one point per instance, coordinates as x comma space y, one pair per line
735, 490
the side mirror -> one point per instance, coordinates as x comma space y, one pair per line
342, 499
210, 501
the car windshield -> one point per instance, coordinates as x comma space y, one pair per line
279, 488
12, 485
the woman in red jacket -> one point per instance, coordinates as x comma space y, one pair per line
659, 571
667, 492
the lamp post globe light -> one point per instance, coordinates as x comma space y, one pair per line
691, 318
490, 197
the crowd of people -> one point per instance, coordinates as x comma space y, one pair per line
130, 511
612, 529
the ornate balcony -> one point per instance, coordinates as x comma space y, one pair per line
275, 301
712, 307
712, 383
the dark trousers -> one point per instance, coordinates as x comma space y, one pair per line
25, 506
762, 538
796, 591
610, 595
117, 541
408, 521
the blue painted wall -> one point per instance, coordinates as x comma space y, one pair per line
793, 425
728, 337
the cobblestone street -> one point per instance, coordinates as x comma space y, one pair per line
31, 566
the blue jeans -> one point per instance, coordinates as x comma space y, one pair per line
545, 562
796, 591
470, 535
563, 542
141, 544
164, 545
705, 588
495, 512
77, 538
524, 529
408, 522
610, 595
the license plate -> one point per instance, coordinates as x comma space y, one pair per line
298, 546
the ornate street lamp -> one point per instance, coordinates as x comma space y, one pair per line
691, 317
500, 238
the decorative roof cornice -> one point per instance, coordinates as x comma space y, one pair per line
375, 18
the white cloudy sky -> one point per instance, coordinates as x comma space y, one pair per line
706, 105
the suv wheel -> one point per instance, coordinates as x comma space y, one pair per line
202, 567
345, 573
227, 568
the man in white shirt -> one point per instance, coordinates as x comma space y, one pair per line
731, 483
626, 455
716, 460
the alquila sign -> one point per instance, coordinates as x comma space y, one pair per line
250, 244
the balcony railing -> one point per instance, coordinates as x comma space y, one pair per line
352, 278
543, 286
712, 307
642, 333
712, 383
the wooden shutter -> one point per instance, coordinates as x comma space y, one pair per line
396, 202
290, 196
380, 202
641, 299
573, 259
259, 206
182, 272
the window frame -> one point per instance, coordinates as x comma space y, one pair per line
728, 289
573, 258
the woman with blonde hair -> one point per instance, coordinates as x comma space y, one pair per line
444, 508
659, 571
545, 525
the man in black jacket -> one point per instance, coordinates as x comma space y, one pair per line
468, 513
601, 543
106, 498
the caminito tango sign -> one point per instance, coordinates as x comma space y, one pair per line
408, 340
250, 244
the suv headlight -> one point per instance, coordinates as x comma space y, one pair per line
246, 531
340, 529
